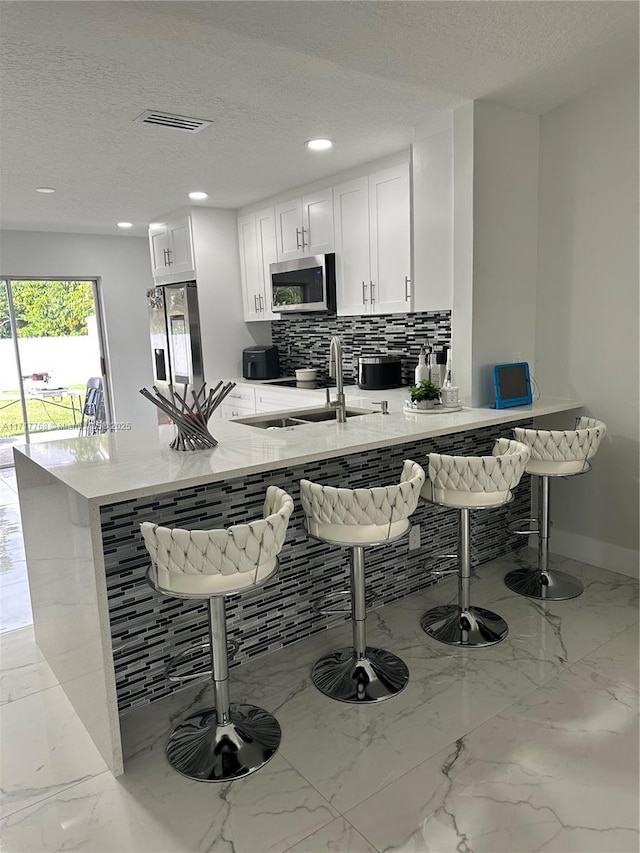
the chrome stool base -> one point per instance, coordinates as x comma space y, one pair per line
373, 678
473, 628
202, 750
546, 585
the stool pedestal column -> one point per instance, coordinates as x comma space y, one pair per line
231, 740
543, 583
359, 674
461, 624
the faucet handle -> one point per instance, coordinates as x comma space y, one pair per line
383, 403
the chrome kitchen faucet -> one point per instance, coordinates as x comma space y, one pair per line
335, 371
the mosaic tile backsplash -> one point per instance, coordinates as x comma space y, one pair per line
303, 339
148, 628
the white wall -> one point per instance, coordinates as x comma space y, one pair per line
462, 313
587, 309
496, 176
224, 332
432, 174
122, 265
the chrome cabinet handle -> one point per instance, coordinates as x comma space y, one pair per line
407, 292
364, 293
373, 295
164, 255
260, 301
298, 235
256, 307
169, 261
302, 232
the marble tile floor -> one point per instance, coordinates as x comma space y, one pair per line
531, 745
15, 604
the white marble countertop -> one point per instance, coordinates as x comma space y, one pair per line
119, 466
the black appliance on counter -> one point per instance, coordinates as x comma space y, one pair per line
260, 362
377, 372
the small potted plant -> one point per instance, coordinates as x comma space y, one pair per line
424, 395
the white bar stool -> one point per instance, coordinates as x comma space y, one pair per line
468, 483
358, 519
554, 453
231, 740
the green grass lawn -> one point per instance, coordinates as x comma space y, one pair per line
46, 415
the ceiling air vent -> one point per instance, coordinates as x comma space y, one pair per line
190, 125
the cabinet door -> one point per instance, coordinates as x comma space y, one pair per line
351, 217
249, 268
181, 248
289, 230
389, 219
267, 254
228, 411
158, 247
317, 222
277, 401
242, 395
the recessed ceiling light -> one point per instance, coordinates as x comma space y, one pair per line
319, 144
124, 224
198, 196
45, 190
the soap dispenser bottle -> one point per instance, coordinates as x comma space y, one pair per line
422, 369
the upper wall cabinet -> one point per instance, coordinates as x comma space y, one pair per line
304, 226
171, 245
372, 243
257, 242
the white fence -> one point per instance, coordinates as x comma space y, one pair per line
68, 361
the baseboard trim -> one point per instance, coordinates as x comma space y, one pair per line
625, 561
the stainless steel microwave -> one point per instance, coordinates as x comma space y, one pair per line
304, 284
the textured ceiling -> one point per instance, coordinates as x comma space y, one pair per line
75, 75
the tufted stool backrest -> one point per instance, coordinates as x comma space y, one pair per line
562, 452
476, 481
362, 516
218, 562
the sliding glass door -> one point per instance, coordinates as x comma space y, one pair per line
13, 414
51, 350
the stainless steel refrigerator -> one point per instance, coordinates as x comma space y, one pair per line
176, 343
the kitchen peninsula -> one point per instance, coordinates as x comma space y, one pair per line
107, 635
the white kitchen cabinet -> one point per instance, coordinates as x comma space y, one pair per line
351, 217
171, 247
304, 226
372, 241
390, 237
234, 410
277, 401
257, 246
240, 402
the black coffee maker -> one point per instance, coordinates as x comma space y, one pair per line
261, 362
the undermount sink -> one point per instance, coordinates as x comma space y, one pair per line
298, 417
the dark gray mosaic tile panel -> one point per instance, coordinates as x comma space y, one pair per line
147, 628
302, 339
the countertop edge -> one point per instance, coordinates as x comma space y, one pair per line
484, 417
